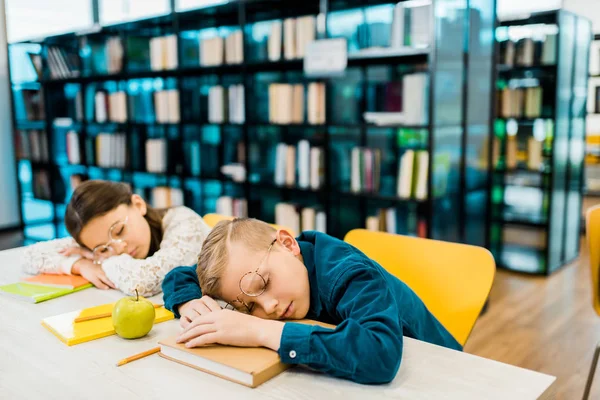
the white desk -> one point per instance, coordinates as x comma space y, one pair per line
35, 364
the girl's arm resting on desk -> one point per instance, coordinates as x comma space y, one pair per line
181, 244
366, 347
44, 257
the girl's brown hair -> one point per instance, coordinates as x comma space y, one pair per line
95, 198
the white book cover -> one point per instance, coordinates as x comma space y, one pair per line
212, 51
321, 222
73, 147
422, 175
305, 33
289, 38
397, 32
274, 41
173, 105
405, 175
216, 112
420, 25
308, 219
303, 164
280, 164
390, 220
156, 53
415, 95
549, 52
355, 170
317, 161
170, 49
100, 107
372, 223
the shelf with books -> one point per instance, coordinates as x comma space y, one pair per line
537, 157
200, 101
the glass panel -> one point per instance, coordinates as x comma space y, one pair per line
115, 11
560, 146
577, 141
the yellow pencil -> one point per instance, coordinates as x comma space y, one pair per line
138, 356
104, 315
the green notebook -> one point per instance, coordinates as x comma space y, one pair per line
36, 293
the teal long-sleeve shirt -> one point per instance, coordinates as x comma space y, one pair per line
372, 309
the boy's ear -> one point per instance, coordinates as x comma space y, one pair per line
139, 203
288, 241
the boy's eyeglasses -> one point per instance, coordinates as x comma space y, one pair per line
116, 233
252, 284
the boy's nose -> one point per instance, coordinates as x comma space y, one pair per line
270, 306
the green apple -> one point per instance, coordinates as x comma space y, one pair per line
133, 317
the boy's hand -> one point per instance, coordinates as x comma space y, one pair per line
232, 328
93, 273
194, 308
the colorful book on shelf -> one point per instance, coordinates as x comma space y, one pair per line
57, 281
65, 328
37, 293
249, 366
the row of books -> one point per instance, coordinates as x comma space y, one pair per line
520, 102
387, 220
291, 34
286, 103
408, 105
307, 172
113, 55
32, 102
165, 197
110, 151
62, 63
529, 153
299, 219
163, 53
218, 50
529, 52
32, 145
411, 27
109, 106
166, 106
226, 104
233, 207
41, 187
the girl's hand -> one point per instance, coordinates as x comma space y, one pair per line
93, 273
194, 308
80, 251
232, 328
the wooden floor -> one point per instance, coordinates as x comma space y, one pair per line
543, 324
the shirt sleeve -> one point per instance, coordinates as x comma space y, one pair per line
367, 346
44, 258
180, 286
182, 241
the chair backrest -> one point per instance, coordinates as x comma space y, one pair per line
213, 219
592, 229
452, 279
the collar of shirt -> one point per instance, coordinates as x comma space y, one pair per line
308, 255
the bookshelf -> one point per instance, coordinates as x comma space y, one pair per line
538, 157
211, 108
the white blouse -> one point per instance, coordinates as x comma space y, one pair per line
184, 231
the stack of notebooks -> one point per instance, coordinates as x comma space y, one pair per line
70, 332
38, 288
248, 366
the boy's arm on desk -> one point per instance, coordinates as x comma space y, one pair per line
180, 286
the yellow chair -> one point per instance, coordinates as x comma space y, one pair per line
213, 219
592, 229
452, 279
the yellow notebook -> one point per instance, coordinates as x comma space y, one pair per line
71, 333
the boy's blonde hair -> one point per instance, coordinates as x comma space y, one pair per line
214, 256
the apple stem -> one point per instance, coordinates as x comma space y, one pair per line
137, 296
